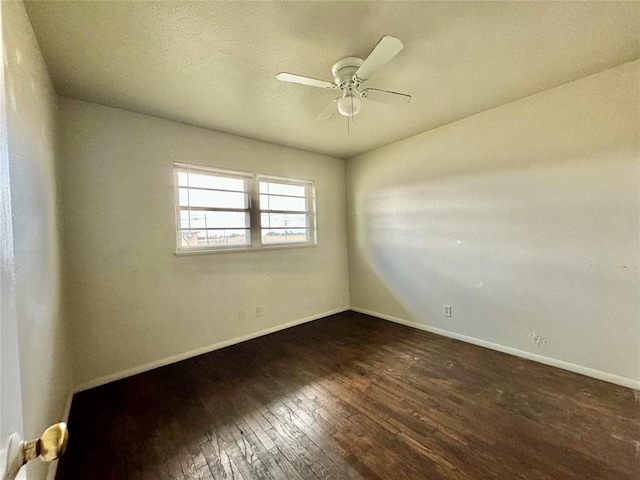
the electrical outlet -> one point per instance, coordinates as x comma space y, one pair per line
259, 311
446, 310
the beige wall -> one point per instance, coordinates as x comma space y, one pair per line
132, 301
524, 219
31, 128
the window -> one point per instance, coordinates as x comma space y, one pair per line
286, 211
212, 210
215, 210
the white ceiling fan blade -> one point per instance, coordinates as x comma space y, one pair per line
311, 82
328, 112
383, 96
385, 50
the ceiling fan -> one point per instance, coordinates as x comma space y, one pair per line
349, 74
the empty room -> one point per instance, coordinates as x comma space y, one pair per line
319, 240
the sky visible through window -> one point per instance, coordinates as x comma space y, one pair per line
284, 216
214, 210
199, 226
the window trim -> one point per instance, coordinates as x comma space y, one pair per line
247, 177
253, 209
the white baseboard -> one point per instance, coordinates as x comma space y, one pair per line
199, 351
607, 377
572, 367
51, 473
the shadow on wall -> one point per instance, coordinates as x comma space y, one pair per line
546, 249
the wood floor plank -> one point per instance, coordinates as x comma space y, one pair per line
354, 397
212, 457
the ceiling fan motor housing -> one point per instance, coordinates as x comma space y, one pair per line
344, 70
349, 74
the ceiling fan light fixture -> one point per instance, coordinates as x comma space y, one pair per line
349, 74
349, 105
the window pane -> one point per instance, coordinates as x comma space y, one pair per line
283, 220
270, 202
212, 199
282, 189
285, 235
200, 219
215, 238
214, 209
202, 180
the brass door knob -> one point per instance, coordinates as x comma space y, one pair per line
51, 444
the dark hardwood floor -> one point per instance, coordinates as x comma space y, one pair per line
351, 396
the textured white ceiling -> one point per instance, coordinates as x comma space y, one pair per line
213, 64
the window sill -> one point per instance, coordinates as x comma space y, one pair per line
186, 253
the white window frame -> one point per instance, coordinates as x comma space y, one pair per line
248, 178
253, 209
309, 212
